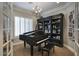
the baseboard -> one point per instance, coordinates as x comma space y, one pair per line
18, 43
71, 49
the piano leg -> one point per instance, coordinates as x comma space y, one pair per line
53, 49
24, 44
45, 43
31, 50
39, 47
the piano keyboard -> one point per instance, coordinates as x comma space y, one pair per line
42, 40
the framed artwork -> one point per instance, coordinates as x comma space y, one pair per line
71, 24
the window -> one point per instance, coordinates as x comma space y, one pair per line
23, 25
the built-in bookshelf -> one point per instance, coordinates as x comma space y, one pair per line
6, 18
53, 25
57, 29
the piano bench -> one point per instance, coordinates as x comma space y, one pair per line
47, 48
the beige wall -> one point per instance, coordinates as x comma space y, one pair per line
1, 30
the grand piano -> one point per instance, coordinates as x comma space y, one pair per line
33, 38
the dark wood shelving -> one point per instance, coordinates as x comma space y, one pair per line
55, 23
54, 26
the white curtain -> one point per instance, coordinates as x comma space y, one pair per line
23, 25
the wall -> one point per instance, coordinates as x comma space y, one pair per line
1, 30
66, 9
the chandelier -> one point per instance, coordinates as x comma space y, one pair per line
37, 10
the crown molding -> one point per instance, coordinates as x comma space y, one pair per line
63, 7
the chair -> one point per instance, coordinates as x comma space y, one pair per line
48, 46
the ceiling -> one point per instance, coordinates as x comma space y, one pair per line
45, 6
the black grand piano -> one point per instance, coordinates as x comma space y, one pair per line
33, 38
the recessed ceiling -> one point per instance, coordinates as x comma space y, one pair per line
45, 6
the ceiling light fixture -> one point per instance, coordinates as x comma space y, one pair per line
37, 10
57, 2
